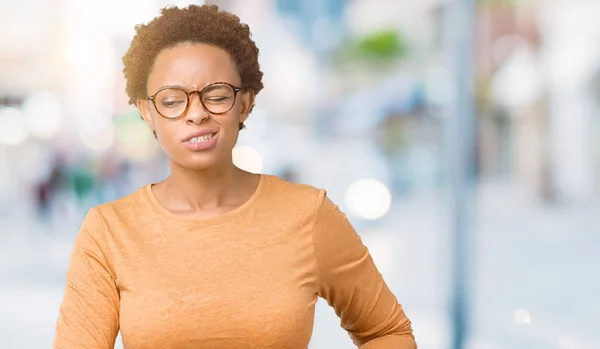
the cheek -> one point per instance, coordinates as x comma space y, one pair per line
165, 130
233, 118
231, 129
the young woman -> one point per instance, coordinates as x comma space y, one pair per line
214, 256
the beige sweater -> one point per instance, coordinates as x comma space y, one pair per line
249, 278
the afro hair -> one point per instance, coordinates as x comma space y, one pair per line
194, 24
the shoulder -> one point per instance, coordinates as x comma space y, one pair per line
124, 208
306, 198
289, 191
108, 223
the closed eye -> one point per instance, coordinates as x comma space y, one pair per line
171, 104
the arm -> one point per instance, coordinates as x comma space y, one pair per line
352, 285
89, 312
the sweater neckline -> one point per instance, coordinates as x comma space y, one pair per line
164, 213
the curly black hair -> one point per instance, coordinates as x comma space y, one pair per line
196, 24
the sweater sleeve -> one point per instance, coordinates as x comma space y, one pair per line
89, 312
352, 285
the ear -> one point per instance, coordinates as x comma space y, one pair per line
247, 105
143, 106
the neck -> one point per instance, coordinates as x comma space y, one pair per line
204, 189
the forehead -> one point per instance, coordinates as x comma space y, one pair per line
192, 66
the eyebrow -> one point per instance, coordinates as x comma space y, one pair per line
187, 89
170, 86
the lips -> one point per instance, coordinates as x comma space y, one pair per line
202, 143
199, 134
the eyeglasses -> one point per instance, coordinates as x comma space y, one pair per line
173, 102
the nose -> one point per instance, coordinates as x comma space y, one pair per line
196, 112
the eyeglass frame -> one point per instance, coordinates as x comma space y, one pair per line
152, 98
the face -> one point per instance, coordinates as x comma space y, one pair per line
193, 67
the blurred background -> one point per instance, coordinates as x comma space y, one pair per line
460, 137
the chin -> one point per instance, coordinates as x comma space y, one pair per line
197, 161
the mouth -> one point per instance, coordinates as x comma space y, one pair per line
199, 139
201, 142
